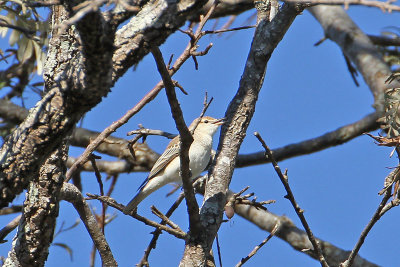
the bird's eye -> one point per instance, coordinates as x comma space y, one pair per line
206, 121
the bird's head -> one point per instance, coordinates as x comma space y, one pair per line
208, 125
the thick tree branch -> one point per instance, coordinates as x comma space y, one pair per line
333, 138
385, 6
150, 27
67, 98
146, 157
339, 27
40, 211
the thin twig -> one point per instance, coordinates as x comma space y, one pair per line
290, 196
101, 222
157, 232
375, 218
229, 30
145, 131
163, 217
112, 203
388, 206
254, 251
218, 250
92, 159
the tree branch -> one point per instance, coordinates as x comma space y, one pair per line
70, 193
296, 237
333, 138
40, 211
67, 98
186, 139
159, 226
300, 212
377, 215
385, 6
339, 27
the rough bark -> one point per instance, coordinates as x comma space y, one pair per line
77, 76
150, 27
35, 232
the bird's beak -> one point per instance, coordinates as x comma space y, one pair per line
219, 122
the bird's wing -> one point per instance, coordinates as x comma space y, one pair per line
169, 155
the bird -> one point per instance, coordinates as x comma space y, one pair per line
167, 168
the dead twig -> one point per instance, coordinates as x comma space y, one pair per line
375, 218
157, 232
112, 203
254, 251
290, 197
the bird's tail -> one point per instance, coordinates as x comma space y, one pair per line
151, 186
132, 205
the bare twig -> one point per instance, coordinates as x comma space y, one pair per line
377, 215
218, 251
186, 140
70, 193
388, 206
9, 228
353, 71
145, 131
295, 237
157, 232
164, 218
254, 251
229, 30
92, 159
112, 203
238, 198
290, 197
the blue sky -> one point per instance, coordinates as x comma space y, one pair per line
307, 92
